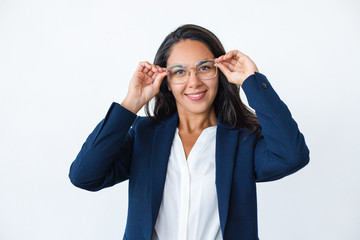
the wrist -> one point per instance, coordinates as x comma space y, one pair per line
130, 104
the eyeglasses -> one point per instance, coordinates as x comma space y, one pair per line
205, 70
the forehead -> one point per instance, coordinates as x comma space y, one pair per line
188, 52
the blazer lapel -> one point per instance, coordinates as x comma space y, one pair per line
226, 142
161, 147
225, 154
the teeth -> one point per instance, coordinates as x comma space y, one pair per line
196, 95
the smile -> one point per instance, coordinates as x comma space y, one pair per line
195, 97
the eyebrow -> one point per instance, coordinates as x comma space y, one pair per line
202, 61
198, 63
179, 65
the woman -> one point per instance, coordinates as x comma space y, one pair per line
193, 165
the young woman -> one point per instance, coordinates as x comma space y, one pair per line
193, 164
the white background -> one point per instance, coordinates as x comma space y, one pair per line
62, 64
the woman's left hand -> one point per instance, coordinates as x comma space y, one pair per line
236, 66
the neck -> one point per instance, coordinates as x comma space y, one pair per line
192, 123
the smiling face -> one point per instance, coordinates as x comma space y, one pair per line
189, 52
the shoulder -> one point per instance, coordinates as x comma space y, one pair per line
248, 136
137, 120
142, 122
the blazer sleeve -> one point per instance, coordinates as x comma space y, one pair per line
105, 156
281, 150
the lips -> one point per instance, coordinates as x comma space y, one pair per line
196, 95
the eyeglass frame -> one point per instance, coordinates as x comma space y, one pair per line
189, 68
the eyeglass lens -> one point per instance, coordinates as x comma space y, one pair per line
205, 70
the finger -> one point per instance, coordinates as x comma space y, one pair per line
148, 80
158, 79
143, 67
140, 67
153, 76
146, 70
150, 73
158, 68
154, 68
230, 61
236, 54
239, 54
145, 78
228, 55
160, 71
219, 59
231, 55
146, 67
227, 58
224, 69
146, 64
230, 66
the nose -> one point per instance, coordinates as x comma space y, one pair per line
193, 81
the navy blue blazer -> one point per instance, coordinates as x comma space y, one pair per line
126, 146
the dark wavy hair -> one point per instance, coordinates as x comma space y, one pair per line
228, 105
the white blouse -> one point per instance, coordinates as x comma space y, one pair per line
189, 207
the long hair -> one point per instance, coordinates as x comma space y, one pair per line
227, 104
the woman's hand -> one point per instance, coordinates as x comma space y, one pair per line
236, 66
144, 85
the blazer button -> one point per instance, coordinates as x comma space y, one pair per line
263, 85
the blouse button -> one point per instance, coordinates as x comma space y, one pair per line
263, 85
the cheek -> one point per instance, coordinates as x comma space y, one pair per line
215, 86
177, 92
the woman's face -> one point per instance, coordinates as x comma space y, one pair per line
189, 52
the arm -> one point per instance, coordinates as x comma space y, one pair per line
105, 157
281, 150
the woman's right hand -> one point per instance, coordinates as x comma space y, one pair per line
144, 85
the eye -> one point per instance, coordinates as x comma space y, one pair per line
179, 72
204, 68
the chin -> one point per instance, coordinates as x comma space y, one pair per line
197, 109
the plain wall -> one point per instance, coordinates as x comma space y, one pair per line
62, 64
